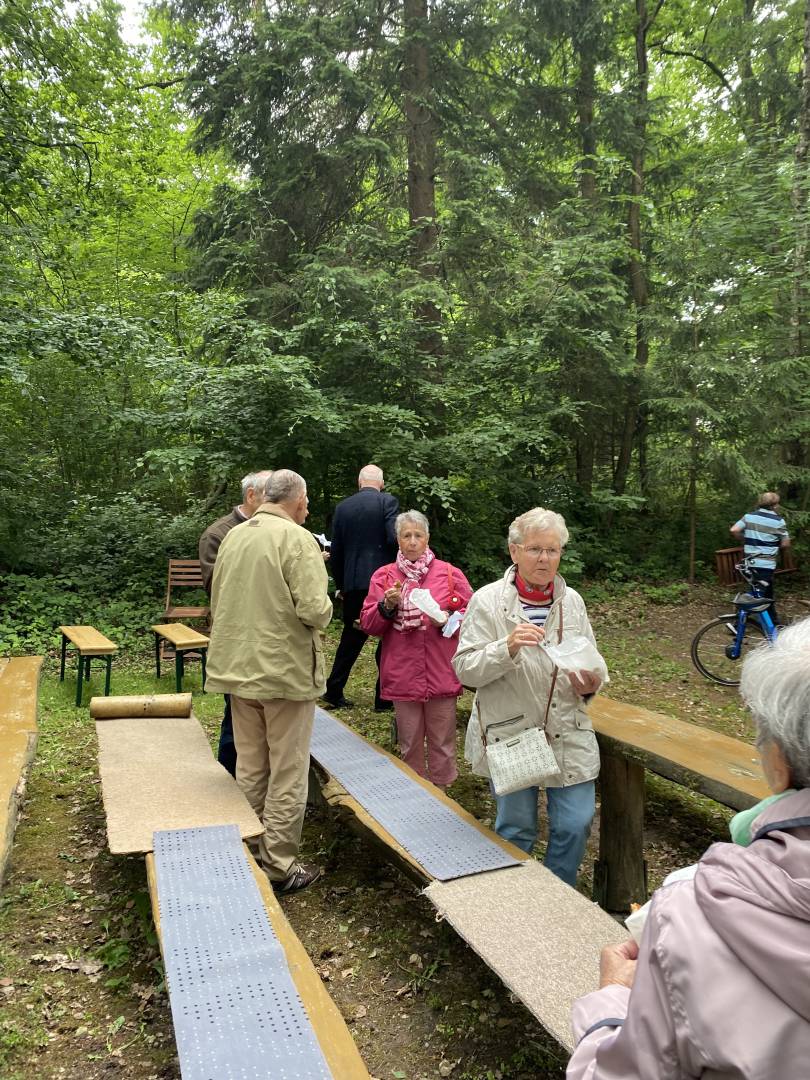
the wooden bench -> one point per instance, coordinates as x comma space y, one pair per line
183, 640
334, 1037
566, 950
632, 739
19, 688
88, 643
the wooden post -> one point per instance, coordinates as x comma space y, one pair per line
620, 874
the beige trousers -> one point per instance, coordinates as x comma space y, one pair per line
272, 769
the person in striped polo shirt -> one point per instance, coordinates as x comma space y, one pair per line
764, 532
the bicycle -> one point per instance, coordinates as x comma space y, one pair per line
719, 647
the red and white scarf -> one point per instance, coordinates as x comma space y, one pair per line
408, 616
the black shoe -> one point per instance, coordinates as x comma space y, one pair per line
383, 706
301, 876
341, 703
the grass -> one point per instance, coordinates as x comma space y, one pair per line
82, 985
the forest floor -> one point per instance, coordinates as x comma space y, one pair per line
81, 980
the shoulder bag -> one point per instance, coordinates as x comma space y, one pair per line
524, 760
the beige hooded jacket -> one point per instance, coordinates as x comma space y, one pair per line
269, 603
514, 693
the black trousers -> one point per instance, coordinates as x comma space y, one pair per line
765, 579
226, 755
349, 648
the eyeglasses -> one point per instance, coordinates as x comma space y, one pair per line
537, 552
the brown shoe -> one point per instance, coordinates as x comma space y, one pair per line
300, 877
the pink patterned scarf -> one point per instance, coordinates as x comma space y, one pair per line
408, 616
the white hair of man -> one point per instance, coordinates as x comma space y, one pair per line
284, 486
775, 685
255, 481
371, 476
538, 519
413, 517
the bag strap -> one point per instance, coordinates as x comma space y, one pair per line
556, 670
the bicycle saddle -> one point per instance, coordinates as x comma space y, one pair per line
751, 603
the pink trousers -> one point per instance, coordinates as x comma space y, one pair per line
433, 722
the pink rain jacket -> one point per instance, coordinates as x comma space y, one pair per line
722, 989
415, 664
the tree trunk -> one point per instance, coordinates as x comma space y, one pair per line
795, 452
637, 269
421, 134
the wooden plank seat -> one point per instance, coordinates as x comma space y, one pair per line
547, 971
336, 1042
88, 643
19, 689
633, 739
726, 559
184, 640
158, 772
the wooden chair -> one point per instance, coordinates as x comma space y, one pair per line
726, 559
184, 574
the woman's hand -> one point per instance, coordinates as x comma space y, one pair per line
391, 596
523, 634
618, 963
584, 682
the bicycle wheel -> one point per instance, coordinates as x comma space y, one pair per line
710, 645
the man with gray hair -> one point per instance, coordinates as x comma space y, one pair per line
252, 498
269, 602
363, 539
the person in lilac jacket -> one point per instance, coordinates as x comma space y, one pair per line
720, 985
415, 666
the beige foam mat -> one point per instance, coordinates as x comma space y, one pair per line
159, 773
541, 937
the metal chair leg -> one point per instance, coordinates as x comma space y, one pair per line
107, 677
79, 681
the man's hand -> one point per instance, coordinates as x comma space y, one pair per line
584, 682
618, 963
523, 634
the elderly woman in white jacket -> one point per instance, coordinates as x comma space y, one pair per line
499, 656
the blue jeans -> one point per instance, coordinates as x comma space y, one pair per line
570, 815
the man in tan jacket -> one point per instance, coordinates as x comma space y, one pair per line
269, 603
252, 497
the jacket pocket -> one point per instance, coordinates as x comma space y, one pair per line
583, 721
318, 670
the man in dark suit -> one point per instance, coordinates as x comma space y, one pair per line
363, 539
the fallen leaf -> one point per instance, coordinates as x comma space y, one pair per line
347, 973
360, 1012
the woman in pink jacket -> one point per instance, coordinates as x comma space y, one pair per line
415, 669
720, 985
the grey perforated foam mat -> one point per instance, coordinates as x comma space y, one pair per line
436, 837
236, 1012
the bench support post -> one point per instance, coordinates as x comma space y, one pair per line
203, 654
62, 664
107, 677
620, 876
157, 656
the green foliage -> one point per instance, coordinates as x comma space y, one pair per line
207, 266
